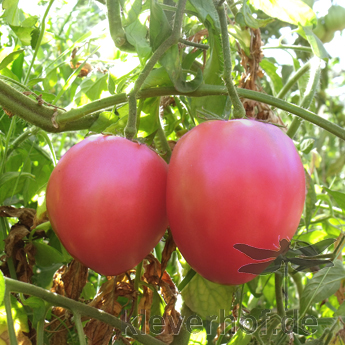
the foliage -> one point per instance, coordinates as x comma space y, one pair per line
153, 70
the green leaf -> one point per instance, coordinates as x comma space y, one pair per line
339, 197
251, 21
271, 70
12, 183
12, 13
23, 33
149, 122
46, 255
293, 11
29, 21
9, 58
157, 77
340, 311
91, 87
104, 120
130, 11
160, 28
307, 145
35, 34
17, 66
207, 11
38, 309
310, 199
315, 43
111, 83
136, 35
207, 298
2, 287
322, 285
240, 338
89, 291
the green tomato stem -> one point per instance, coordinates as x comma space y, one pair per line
83, 309
131, 130
189, 276
79, 327
313, 84
39, 41
239, 111
278, 280
10, 324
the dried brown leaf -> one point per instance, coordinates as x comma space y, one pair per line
74, 279
169, 248
22, 339
14, 238
25, 215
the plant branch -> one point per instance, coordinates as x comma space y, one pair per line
285, 46
309, 94
131, 130
194, 44
84, 116
239, 111
279, 294
40, 37
293, 79
83, 309
115, 26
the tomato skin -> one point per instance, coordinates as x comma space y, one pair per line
229, 182
106, 202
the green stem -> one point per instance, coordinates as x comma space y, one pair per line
240, 308
309, 94
10, 324
38, 44
83, 309
79, 327
7, 142
189, 276
232, 6
285, 46
40, 116
239, 111
131, 130
40, 329
21, 138
115, 26
279, 294
136, 288
194, 44
293, 79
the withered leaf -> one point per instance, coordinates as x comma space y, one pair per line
25, 215
74, 279
17, 233
169, 248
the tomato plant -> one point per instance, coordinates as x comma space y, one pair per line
106, 202
233, 182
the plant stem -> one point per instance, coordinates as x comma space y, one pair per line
194, 44
21, 138
293, 79
131, 130
79, 327
309, 94
279, 294
76, 119
83, 309
115, 26
38, 44
8, 308
189, 276
136, 288
285, 46
239, 111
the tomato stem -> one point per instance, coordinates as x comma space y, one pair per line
131, 130
239, 111
136, 288
278, 280
309, 94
